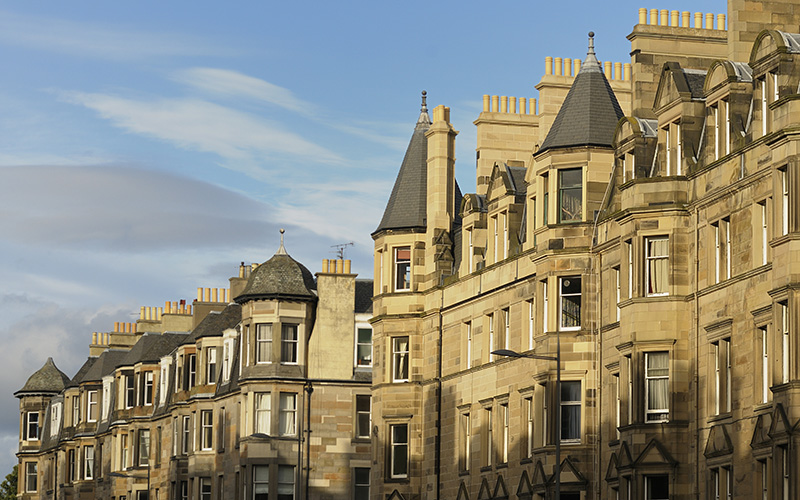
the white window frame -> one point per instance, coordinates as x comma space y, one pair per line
91, 406
569, 404
262, 411
401, 267
29, 421
765, 379
31, 476
263, 343
400, 359
785, 351
504, 437
396, 445
366, 346
206, 429
561, 295
287, 414
211, 365
660, 414
290, 345
649, 260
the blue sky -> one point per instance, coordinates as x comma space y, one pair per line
149, 147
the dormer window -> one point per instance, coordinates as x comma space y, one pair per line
672, 148
721, 121
402, 269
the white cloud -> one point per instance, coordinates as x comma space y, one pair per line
233, 83
204, 126
89, 40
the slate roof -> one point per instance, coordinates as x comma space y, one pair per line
590, 111
106, 363
696, 79
82, 371
407, 208
48, 378
517, 177
363, 299
216, 322
281, 277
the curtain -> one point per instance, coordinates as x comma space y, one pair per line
288, 407
657, 253
658, 381
401, 358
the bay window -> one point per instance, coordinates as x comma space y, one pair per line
402, 269
570, 411
263, 343
398, 454
570, 303
570, 195
656, 265
400, 359
656, 388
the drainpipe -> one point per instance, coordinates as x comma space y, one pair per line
308, 389
438, 447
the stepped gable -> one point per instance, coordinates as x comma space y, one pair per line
216, 322
281, 277
590, 111
407, 205
47, 379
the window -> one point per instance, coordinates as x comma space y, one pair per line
629, 254
672, 142
570, 195
762, 85
545, 306
504, 436
782, 173
191, 371
76, 410
148, 388
55, 419
763, 245
466, 441
402, 269
764, 479
144, 447
784, 322
364, 347
617, 404
123, 450
657, 265
400, 359
174, 436
490, 319
91, 406
264, 343
207, 429
211, 365
785, 472
545, 199
288, 412
32, 426
184, 490
765, 381
617, 291
488, 457
158, 446
186, 435
205, 488
504, 217
531, 322
543, 414
289, 344
130, 391
226, 360
261, 482
285, 482
722, 249
528, 402
656, 487
361, 483
570, 302
470, 251
496, 238
506, 329
31, 477
363, 416
263, 407
88, 460
468, 326
656, 386
570, 410
72, 466
722, 375
398, 455
162, 382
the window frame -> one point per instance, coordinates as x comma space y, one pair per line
570, 404
395, 447
31, 476
648, 378
30, 425
206, 430
211, 365
143, 446
563, 281
567, 190
366, 345
400, 359
401, 267
88, 462
649, 260
363, 416
290, 346
262, 413
263, 343
259, 482
359, 475
287, 414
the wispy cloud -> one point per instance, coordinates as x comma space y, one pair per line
235, 84
89, 40
199, 125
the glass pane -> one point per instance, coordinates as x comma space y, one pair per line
571, 422
399, 434
657, 364
571, 311
570, 177
400, 462
570, 391
286, 474
364, 336
362, 403
261, 473
363, 424
362, 475
365, 354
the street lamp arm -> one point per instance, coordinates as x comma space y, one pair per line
514, 354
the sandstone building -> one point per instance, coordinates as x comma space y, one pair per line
263, 396
644, 229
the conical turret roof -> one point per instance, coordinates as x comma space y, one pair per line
590, 112
406, 208
48, 379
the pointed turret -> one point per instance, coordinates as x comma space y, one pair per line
590, 111
406, 208
47, 380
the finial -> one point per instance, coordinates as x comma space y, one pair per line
591, 64
281, 250
424, 118
591, 42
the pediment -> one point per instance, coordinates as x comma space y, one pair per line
672, 86
539, 481
655, 454
396, 496
569, 473
525, 489
463, 494
499, 183
612, 470
719, 74
761, 437
780, 423
625, 459
500, 490
718, 443
485, 492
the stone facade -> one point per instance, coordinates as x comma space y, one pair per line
269, 392
659, 264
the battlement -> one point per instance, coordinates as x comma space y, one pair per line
676, 19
